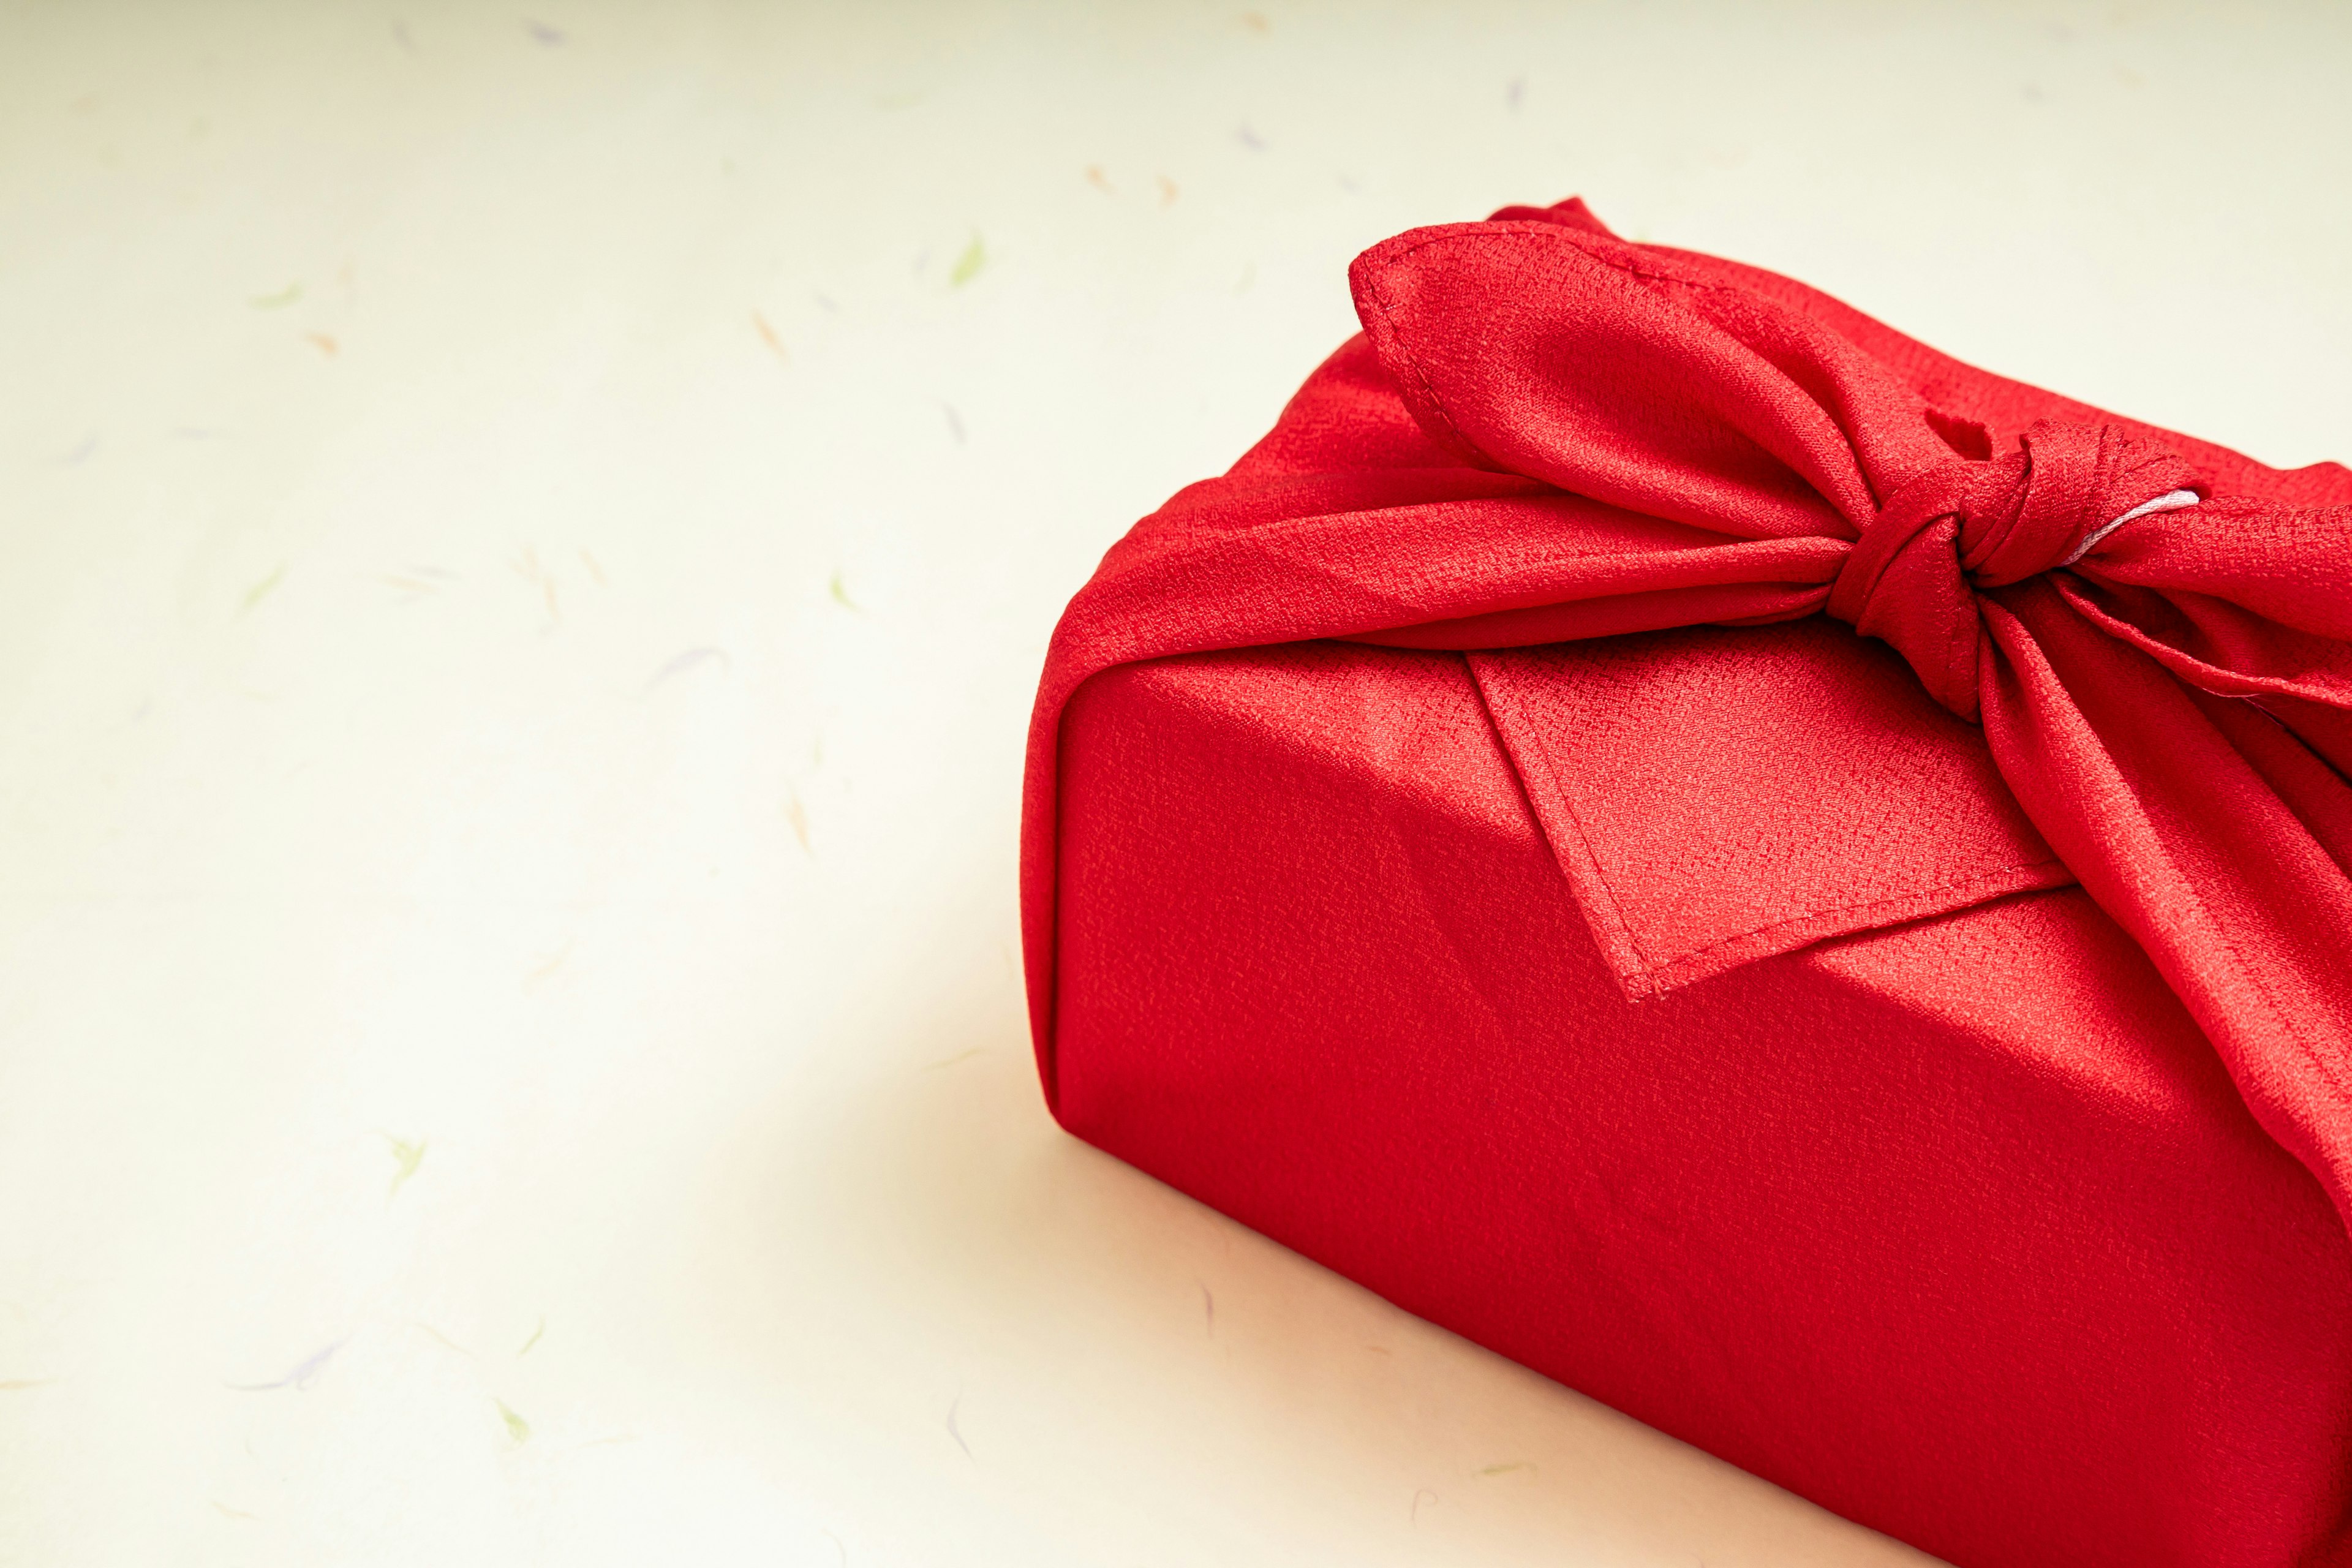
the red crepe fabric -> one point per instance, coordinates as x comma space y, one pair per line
1810, 789
1548, 435
1958, 1228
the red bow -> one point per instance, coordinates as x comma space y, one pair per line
2154, 634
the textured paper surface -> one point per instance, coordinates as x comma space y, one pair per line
528, 540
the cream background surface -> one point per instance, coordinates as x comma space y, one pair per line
526, 539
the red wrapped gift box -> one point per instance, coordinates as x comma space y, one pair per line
1913, 1067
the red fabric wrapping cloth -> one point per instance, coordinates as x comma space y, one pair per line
1547, 435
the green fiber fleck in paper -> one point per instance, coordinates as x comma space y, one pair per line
406, 1158
261, 590
279, 300
517, 1427
968, 265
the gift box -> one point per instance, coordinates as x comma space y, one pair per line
1793, 885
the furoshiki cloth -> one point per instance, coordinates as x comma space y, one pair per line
1610, 438
1638, 487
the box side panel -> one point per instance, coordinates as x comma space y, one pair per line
1956, 1228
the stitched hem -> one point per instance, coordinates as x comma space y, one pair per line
1923, 902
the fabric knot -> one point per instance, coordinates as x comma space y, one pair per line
1912, 577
